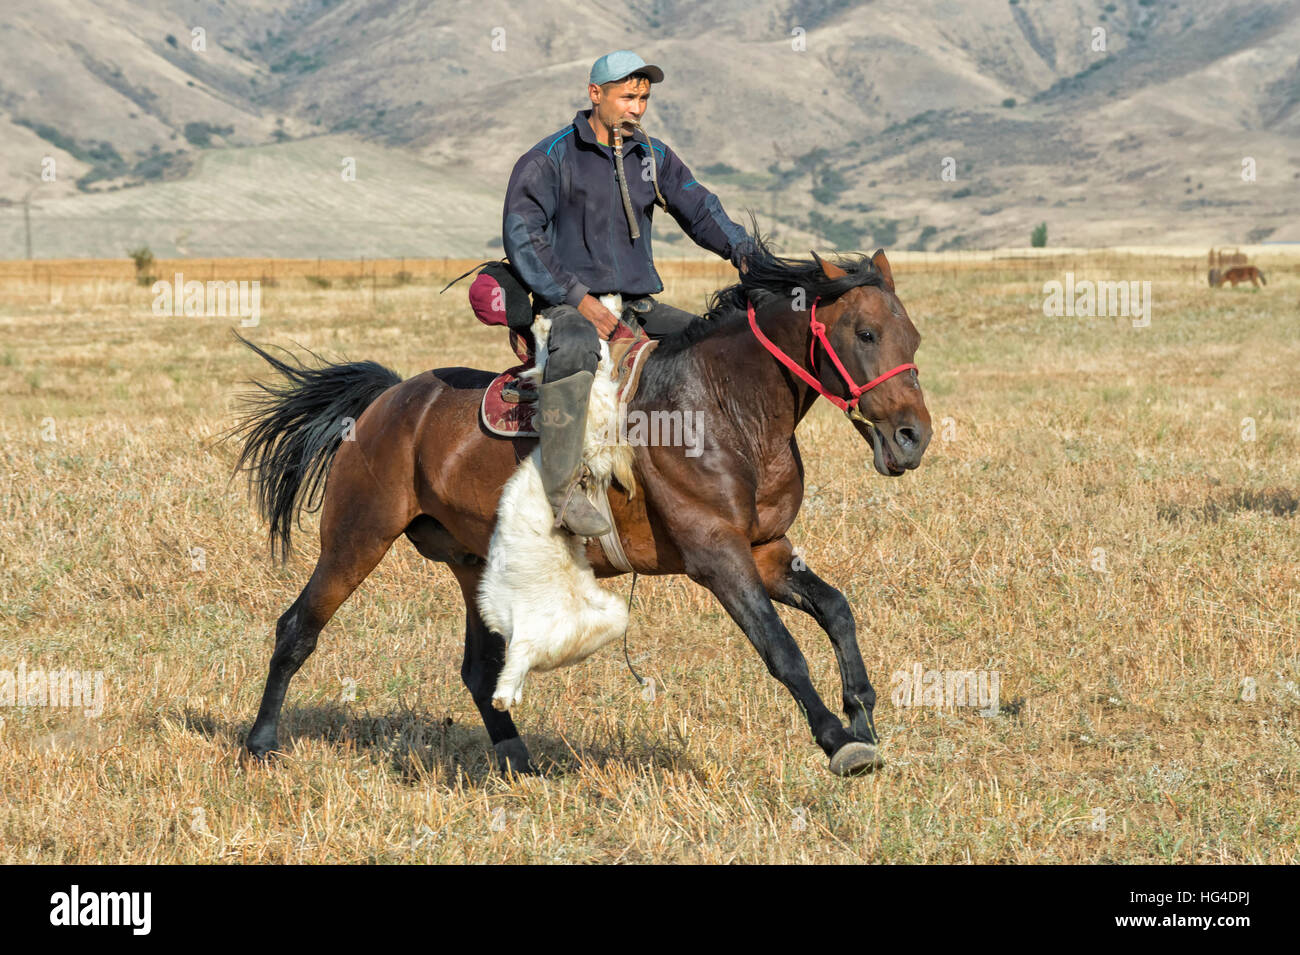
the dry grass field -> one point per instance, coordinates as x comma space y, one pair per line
1095, 521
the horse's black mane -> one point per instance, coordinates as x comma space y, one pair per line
767, 275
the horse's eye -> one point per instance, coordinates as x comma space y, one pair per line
866, 335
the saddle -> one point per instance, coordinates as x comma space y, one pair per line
509, 406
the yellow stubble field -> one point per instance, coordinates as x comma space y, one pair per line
1106, 520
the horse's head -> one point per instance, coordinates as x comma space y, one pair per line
870, 331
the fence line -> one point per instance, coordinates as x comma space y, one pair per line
402, 270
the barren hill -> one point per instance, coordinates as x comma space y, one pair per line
218, 127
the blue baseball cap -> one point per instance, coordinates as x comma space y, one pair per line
620, 65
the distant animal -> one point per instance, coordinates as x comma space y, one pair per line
1239, 273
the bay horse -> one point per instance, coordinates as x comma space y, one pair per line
1239, 273
411, 457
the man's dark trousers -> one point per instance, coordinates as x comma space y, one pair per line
574, 343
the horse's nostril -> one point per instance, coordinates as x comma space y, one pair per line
907, 438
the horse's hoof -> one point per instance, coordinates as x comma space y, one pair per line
261, 752
856, 758
513, 758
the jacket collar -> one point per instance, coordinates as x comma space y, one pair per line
582, 122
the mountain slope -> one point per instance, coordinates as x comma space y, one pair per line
832, 120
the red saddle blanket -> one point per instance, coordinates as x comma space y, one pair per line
509, 406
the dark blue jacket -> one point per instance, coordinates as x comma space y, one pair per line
564, 227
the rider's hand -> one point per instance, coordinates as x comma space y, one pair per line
604, 320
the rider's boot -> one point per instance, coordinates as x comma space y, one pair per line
562, 416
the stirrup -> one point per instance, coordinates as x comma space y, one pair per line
579, 481
564, 508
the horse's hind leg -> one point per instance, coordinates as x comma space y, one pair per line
485, 655
352, 544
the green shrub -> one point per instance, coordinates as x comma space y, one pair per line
923, 239
828, 185
200, 134
144, 263
841, 233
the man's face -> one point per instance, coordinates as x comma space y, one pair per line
613, 102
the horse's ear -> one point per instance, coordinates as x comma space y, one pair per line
829, 269
882, 266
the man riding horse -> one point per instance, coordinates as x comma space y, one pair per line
577, 231
420, 464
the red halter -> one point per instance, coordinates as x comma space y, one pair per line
849, 407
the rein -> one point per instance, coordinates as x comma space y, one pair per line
856, 391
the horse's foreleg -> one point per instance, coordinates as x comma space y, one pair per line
789, 581
485, 654
730, 572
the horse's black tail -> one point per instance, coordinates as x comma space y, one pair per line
292, 430
1261, 276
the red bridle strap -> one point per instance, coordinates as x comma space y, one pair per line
819, 334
